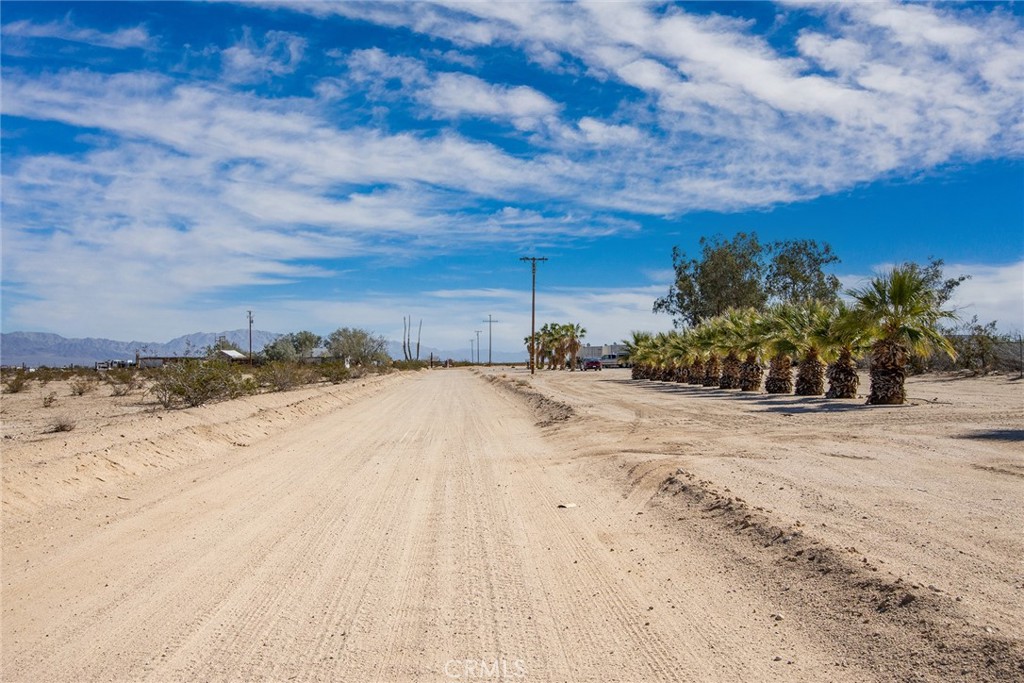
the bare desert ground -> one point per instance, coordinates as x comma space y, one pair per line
488, 525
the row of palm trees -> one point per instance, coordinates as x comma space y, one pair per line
893, 318
555, 344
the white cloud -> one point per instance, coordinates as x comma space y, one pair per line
250, 62
877, 88
453, 94
992, 293
123, 38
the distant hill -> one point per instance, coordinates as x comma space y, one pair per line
40, 348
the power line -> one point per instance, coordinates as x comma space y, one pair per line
490, 333
533, 309
250, 336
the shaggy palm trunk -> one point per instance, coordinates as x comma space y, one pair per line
751, 373
888, 373
697, 371
682, 373
712, 371
780, 375
842, 377
730, 372
677, 373
637, 372
810, 376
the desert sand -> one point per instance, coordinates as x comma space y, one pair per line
488, 525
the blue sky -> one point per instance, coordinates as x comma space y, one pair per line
168, 166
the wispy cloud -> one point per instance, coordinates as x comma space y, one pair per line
67, 30
252, 61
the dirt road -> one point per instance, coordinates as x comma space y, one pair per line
417, 534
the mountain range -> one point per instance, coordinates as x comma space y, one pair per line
34, 349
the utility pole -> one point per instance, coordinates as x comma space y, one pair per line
470, 350
250, 336
477, 346
490, 333
533, 309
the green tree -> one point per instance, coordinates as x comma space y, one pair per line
796, 272
743, 273
640, 347
574, 333
729, 274
976, 345
847, 341
781, 344
305, 342
901, 312
281, 349
292, 346
358, 346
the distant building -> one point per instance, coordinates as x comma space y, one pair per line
591, 351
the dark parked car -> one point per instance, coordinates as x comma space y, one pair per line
591, 364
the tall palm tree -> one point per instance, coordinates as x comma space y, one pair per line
574, 333
901, 312
552, 345
532, 347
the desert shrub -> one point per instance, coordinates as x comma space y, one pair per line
15, 382
284, 375
81, 386
123, 381
50, 399
335, 371
63, 423
194, 382
409, 364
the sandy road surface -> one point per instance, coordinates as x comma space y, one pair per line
414, 533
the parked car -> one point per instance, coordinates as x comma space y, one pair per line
591, 364
615, 360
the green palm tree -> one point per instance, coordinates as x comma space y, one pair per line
681, 346
640, 346
846, 338
662, 361
782, 347
813, 347
901, 312
705, 339
574, 333
532, 347
731, 330
754, 333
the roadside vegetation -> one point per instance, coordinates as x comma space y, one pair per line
292, 361
556, 345
896, 325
